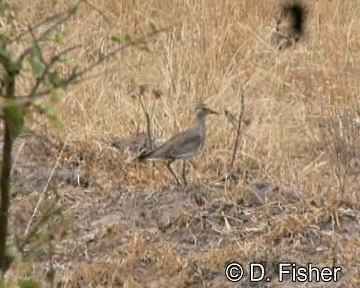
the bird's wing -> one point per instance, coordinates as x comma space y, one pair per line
185, 145
179, 146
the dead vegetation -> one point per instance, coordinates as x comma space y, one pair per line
293, 193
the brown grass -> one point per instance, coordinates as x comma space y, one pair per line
159, 236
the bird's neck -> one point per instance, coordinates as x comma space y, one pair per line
201, 125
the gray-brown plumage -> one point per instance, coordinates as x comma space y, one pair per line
183, 145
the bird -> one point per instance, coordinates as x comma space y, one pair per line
183, 145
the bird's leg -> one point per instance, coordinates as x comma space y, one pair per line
183, 172
171, 171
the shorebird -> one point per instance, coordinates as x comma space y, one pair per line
183, 145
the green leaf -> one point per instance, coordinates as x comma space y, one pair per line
231, 118
51, 114
143, 45
59, 39
141, 42
6, 60
54, 78
247, 121
122, 39
28, 283
55, 96
14, 116
3, 40
35, 60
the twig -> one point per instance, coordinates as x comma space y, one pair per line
44, 217
16, 156
48, 66
36, 26
44, 190
43, 35
122, 47
6, 162
75, 76
148, 120
46, 70
97, 10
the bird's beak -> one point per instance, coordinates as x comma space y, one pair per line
211, 111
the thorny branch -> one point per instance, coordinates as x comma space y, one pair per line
44, 34
75, 77
12, 68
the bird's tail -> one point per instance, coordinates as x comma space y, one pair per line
143, 156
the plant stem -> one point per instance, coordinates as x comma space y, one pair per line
238, 130
5, 176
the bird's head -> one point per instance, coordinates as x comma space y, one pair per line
202, 111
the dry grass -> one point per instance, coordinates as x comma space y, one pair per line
147, 233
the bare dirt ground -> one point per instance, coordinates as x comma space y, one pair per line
175, 236
292, 194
